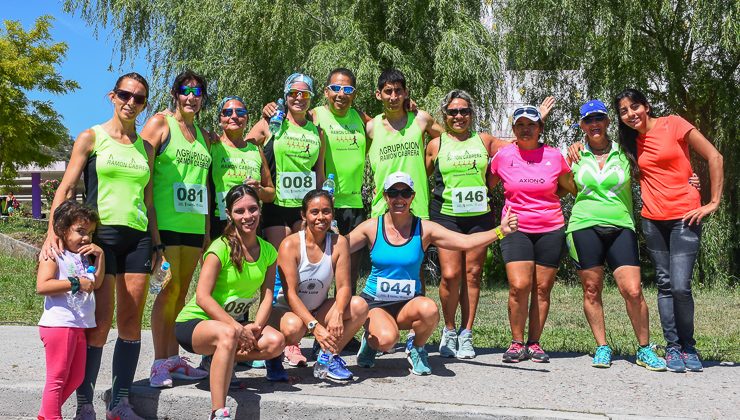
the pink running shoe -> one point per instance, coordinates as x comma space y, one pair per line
535, 352
293, 356
515, 353
160, 376
180, 369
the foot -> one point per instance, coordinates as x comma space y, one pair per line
181, 369
366, 354
220, 414
337, 369
160, 376
293, 356
205, 363
673, 360
602, 357
448, 343
85, 412
647, 358
258, 364
409, 343
122, 411
535, 352
275, 370
419, 361
691, 359
465, 348
515, 353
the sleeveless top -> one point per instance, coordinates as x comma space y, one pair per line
231, 166
57, 311
460, 176
314, 279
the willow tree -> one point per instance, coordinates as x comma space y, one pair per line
684, 54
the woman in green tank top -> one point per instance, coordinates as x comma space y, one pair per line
235, 161
180, 227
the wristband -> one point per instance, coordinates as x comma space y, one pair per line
75, 284
499, 232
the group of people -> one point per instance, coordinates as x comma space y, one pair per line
249, 205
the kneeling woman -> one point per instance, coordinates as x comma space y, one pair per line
235, 266
393, 290
302, 303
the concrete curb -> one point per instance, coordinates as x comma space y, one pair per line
16, 248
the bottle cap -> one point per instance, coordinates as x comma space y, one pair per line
331, 176
165, 265
91, 269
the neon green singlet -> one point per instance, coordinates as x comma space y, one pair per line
345, 154
115, 178
231, 166
295, 150
399, 151
180, 177
460, 176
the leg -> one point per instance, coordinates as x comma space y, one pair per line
684, 247
353, 318
165, 303
354, 270
540, 306
220, 340
292, 327
657, 239
59, 346
592, 280
276, 234
382, 330
421, 314
470, 294
269, 345
78, 356
521, 278
191, 255
451, 263
628, 282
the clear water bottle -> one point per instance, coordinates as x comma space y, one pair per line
160, 278
330, 186
276, 121
76, 300
321, 367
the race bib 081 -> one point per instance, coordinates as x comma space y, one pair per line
190, 198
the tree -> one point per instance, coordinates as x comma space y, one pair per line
30, 130
683, 54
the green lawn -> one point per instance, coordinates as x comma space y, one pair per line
717, 315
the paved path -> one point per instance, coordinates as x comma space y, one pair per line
482, 388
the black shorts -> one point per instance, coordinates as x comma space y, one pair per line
392, 307
591, 247
544, 248
127, 250
184, 333
170, 238
461, 224
274, 215
348, 219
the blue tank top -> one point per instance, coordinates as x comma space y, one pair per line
395, 272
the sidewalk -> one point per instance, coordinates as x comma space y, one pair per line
568, 387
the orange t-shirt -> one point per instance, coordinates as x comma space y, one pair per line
663, 159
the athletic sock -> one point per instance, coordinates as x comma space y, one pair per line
465, 331
86, 391
125, 359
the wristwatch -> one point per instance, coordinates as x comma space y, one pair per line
312, 325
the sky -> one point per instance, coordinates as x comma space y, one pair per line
89, 62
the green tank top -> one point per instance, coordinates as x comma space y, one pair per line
234, 290
460, 176
345, 154
115, 178
399, 151
231, 166
180, 178
294, 151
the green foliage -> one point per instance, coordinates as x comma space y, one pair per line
29, 129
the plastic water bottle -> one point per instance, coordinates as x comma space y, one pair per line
330, 186
75, 300
321, 367
160, 278
276, 121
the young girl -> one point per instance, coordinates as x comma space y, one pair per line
69, 304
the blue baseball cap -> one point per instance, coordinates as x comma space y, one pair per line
594, 106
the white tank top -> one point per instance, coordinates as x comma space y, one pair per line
57, 310
314, 279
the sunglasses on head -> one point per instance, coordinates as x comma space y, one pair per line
125, 96
527, 110
302, 94
454, 112
240, 112
405, 193
594, 118
187, 90
348, 90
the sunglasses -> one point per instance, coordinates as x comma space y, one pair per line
240, 112
527, 110
594, 118
302, 94
125, 96
454, 112
348, 90
187, 90
394, 193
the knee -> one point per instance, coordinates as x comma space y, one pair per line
228, 338
386, 340
169, 295
273, 344
473, 274
519, 292
358, 308
292, 328
428, 311
633, 294
592, 293
451, 275
681, 291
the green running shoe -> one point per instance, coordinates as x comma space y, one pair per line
647, 358
419, 360
602, 357
366, 354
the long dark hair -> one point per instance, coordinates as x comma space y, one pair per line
627, 136
309, 197
133, 76
230, 235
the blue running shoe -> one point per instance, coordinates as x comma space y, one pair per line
258, 364
448, 343
602, 357
337, 369
647, 358
275, 370
465, 348
409, 343
366, 354
419, 360
673, 360
691, 360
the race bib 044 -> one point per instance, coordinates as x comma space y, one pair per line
393, 290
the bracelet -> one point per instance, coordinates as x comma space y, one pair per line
499, 232
160, 247
75, 284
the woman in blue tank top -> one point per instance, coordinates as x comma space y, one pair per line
394, 291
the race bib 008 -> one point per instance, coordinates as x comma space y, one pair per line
295, 185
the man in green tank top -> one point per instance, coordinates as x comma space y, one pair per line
398, 142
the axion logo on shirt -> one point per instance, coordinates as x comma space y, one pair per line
532, 180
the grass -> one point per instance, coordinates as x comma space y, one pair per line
717, 315
25, 229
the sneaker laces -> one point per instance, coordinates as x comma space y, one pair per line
339, 361
649, 356
515, 347
535, 348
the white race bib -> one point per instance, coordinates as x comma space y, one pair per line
393, 290
237, 307
221, 203
190, 198
295, 185
469, 200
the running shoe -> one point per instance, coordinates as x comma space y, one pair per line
366, 354
160, 376
465, 348
337, 369
122, 411
205, 363
691, 359
293, 356
419, 360
602, 357
220, 414
275, 370
647, 358
448, 343
673, 360
515, 353
86, 412
409, 343
535, 352
257, 364
181, 369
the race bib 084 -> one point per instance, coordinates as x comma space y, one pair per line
190, 198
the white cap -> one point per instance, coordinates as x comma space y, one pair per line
397, 177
